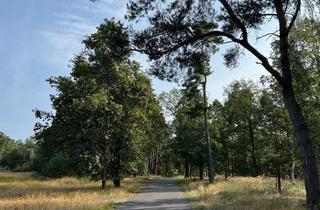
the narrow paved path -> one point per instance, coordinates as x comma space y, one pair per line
162, 194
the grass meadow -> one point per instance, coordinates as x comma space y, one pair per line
21, 191
244, 193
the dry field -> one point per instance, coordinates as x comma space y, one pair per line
244, 193
19, 191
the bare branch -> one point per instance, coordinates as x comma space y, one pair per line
287, 5
266, 14
227, 42
269, 35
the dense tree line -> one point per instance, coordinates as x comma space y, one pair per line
251, 134
251, 130
17, 155
175, 28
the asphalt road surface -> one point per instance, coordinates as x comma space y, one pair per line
163, 193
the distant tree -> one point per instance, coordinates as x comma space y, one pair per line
241, 111
197, 77
189, 143
5, 143
169, 102
158, 146
17, 155
219, 130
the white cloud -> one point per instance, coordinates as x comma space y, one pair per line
63, 37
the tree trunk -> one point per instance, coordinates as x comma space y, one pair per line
253, 152
301, 130
186, 173
207, 136
292, 171
155, 165
116, 181
152, 163
117, 166
227, 164
116, 177
201, 171
149, 165
278, 179
104, 169
104, 178
307, 154
232, 164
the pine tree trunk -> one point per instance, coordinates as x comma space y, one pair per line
190, 173
253, 152
278, 179
155, 165
149, 165
308, 157
116, 169
116, 179
207, 136
302, 134
227, 164
104, 178
186, 173
301, 130
201, 171
232, 164
292, 171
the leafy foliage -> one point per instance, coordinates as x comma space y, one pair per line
17, 155
103, 111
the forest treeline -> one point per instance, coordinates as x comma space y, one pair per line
107, 122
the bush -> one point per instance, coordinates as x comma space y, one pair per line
58, 166
27, 166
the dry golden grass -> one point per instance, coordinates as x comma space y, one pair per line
19, 191
244, 193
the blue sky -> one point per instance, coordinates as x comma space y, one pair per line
39, 38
